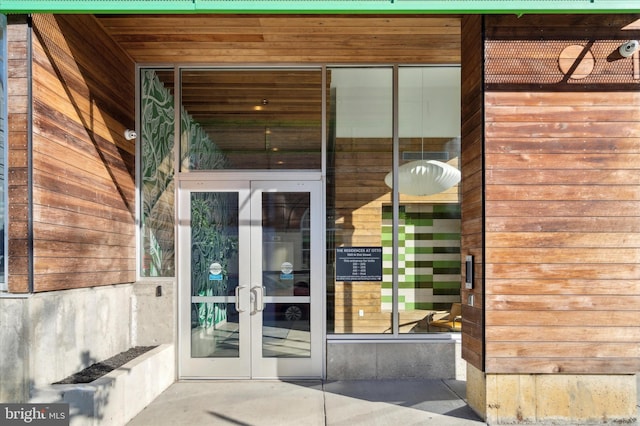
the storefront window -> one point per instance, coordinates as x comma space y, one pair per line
428, 225
360, 154
419, 288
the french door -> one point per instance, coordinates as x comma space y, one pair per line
250, 279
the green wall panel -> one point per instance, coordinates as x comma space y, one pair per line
428, 256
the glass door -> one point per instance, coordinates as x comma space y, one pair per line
249, 278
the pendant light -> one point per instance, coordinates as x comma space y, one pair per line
424, 177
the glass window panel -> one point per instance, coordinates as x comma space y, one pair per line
429, 225
251, 119
286, 274
157, 173
214, 241
360, 212
359, 157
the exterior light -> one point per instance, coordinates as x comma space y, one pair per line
629, 48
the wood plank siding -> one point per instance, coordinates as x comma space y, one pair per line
287, 39
18, 130
472, 181
83, 168
562, 151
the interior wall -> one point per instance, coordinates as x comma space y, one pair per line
361, 195
83, 168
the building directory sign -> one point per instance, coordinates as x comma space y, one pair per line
359, 264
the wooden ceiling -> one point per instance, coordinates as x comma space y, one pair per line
282, 40
229, 104
261, 97
292, 39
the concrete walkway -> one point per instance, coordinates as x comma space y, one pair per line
309, 403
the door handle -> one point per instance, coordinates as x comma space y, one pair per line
237, 293
259, 293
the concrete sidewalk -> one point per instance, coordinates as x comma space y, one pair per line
313, 402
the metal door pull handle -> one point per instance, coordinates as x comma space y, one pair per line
259, 293
237, 293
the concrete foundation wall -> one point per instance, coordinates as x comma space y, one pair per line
48, 336
14, 385
118, 396
153, 309
428, 359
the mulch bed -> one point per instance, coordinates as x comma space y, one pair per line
99, 369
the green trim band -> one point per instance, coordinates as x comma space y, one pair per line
320, 6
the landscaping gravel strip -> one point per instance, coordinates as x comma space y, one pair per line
99, 369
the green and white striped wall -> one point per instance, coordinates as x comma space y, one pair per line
428, 256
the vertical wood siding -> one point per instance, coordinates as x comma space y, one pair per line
83, 168
17, 183
562, 193
472, 201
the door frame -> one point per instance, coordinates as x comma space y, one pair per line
233, 179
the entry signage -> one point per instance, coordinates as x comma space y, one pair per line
359, 264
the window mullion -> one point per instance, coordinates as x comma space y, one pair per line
395, 319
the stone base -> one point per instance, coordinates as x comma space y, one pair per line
553, 398
390, 359
117, 397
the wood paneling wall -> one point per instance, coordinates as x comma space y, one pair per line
83, 168
18, 183
360, 192
562, 191
472, 235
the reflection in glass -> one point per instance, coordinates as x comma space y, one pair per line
359, 203
286, 274
251, 119
360, 154
214, 274
428, 226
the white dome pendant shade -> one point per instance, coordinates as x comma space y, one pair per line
424, 177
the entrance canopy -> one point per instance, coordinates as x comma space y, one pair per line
318, 6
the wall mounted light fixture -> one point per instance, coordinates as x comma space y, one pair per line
629, 48
130, 134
